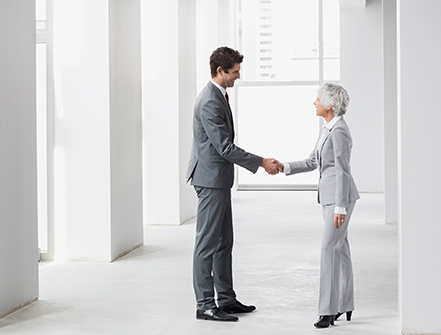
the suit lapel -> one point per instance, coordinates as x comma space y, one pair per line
325, 139
322, 145
225, 104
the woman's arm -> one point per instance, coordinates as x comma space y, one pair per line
342, 143
306, 165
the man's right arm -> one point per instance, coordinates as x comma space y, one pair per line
219, 135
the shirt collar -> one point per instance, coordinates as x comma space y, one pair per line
223, 90
331, 123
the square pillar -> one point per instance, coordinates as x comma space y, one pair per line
169, 93
361, 41
419, 159
390, 111
94, 113
18, 171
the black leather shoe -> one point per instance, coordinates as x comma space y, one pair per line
237, 307
215, 314
348, 315
324, 321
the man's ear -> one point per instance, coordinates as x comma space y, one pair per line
219, 70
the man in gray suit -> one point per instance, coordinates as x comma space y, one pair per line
211, 170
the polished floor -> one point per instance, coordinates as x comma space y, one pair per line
276, 257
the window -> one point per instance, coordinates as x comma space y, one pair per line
304, 35
291, 47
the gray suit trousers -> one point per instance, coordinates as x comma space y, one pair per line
336, 277
212, 261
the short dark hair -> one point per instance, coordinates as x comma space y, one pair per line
224, 57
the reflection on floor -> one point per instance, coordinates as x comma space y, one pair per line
276, 257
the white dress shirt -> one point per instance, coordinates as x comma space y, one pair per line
328, 126
223, 90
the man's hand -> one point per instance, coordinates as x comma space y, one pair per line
270, 166
281, 167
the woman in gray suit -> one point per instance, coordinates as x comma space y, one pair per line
337, 194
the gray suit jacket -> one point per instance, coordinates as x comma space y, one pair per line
336, 185
214, 153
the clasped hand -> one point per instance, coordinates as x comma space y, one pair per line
272, 166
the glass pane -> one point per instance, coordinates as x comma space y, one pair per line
331, 40
279, 122
40, 16
40, 10
331, 69
279, 39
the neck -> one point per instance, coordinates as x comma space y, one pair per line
219, 81
329, 117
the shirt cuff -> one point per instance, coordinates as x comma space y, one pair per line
340, 210
286, 168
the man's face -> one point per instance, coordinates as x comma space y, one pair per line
228, 78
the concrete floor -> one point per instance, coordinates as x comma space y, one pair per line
276, 266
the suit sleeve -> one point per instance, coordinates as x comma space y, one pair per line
342, 152
306, 165
217, 130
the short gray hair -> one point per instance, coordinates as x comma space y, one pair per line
335, 95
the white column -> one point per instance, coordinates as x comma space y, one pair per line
169, 92
390, 111
419, 119
206, 38
187, 97
362, 75
18, 171
125, 126
94, 113
224, 29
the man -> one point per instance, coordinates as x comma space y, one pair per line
211, 170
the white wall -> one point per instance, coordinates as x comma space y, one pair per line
362, 75
419, 70
94, 116
169, 92
18, 171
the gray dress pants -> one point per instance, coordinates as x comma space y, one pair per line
212, 260
336, 277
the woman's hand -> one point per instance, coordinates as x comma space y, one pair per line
339, 219
281, 167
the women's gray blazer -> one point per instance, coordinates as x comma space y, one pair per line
336, 185
214, 153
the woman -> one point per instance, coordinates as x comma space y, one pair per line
337, 194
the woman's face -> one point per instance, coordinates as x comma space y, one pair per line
319, 109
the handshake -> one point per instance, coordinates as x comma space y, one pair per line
272, 166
